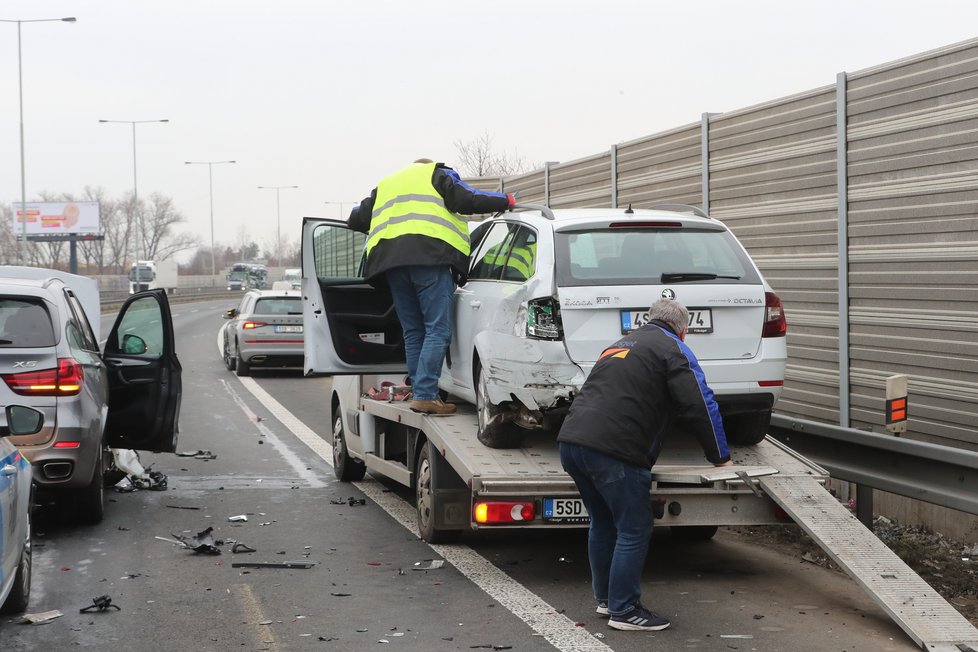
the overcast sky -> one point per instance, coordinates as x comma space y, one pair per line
331, 96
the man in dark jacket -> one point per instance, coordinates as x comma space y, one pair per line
640, 387
419, 246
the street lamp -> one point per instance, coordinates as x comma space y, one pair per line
210, 184
341, 204
278, 210
135, 190
20, 88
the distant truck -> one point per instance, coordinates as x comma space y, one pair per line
247, 276
151, 274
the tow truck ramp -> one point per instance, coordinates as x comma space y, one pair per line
917, 608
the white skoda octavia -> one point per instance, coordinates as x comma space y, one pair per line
547, 291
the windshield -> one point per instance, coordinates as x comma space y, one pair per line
237, 276
141, 273
651, 257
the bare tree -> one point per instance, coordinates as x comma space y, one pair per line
479, 158
159, 218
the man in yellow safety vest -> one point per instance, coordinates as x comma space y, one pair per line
418, 245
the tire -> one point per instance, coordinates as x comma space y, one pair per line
241, 368
692, 533
90, 501
20, 592
493, 432
747, 429
345, 468
424, 500
230, 362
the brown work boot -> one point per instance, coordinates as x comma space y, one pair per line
433, 406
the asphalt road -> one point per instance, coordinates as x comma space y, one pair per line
526, 590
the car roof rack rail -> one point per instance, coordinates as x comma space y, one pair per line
544, 210
681, 208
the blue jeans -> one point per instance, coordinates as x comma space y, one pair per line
616, 496
423, 301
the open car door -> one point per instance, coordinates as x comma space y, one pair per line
144, 376
350, 326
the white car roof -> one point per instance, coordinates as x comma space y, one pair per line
573, 218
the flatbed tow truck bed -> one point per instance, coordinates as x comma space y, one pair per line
770, 484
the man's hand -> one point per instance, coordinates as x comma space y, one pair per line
727, 463
512, 200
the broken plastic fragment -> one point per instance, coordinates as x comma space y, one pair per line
273, 564
240, 518
203, 542
42, 618
428, 564
240, 547
100, 604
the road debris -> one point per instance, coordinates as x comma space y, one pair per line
101, 604
303, 563
183, 507
198, 454
202, 543
41, 618
428, 564
240, 518
351, 501
240, 547
134, 476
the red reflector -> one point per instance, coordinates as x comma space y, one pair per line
646, 225
771, 383
489, 513
67, 444
66, 380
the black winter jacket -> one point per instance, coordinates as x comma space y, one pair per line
421, 249
641, 387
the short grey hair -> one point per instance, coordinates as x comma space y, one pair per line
671, 312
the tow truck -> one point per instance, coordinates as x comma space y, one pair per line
460, 485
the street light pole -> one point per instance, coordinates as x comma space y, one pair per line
278, 210
210, 184
135, 188
20, 90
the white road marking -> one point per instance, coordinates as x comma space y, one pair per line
559, 630
291, 458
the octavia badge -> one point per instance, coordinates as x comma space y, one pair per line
668, 294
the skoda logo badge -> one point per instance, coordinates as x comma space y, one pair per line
668, 294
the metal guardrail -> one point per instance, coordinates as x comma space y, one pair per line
182, 295
935, 474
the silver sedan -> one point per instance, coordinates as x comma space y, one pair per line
265, 330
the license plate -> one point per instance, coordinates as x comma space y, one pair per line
288, 329
700, 320
564, 510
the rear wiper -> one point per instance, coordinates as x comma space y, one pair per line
672, 277
295, 313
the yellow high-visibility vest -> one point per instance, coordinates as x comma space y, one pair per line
521, 259
407, 203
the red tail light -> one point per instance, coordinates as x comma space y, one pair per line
490, 513
248, 325
774, 321
65, 380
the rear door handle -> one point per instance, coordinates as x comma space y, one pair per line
9, 469
475, 304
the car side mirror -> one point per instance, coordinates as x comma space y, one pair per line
231, 314
22, 420
133, 344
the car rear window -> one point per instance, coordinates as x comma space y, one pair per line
25, 323
643, 256
279, 306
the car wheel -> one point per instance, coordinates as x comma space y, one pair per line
229, 360
241, 367
90, 501
424, 500
345, 468
747, 429
494, 431
692, 533
20, 592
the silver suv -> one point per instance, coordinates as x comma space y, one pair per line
547, 292
127, 396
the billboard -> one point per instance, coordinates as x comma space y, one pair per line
57, 218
